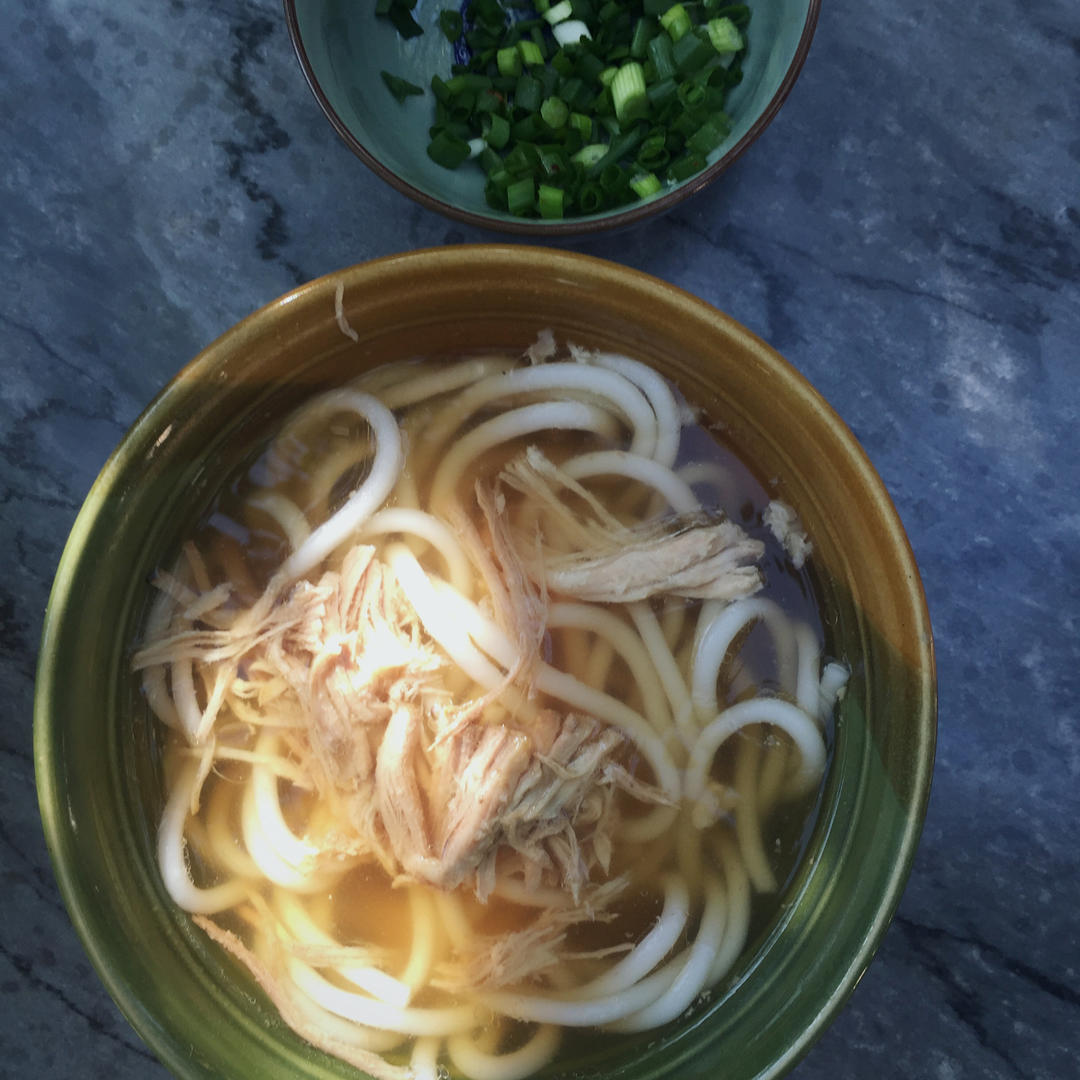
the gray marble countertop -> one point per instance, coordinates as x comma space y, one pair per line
906, 233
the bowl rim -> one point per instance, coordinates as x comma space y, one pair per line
560, 264
631, 215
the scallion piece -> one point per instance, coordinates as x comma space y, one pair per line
653, 153
528, 129
709, 136
521, 196
508, 61
570, 32
490, 162
581, 124
560, 12
448, 150
663, 93
399, 12
528, 94
724, 35
692, 53
399, 87
645, 185
663, 62
531, 54
589, 67
590, 197
676, 21
628, 92
549, 201
589, 155
451, 24
498, 132
686, 166
644, 32
554, 112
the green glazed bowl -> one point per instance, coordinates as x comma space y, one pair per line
94, 742
342, 47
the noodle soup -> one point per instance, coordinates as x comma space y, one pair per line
495, 710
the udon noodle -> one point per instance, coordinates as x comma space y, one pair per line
481, 711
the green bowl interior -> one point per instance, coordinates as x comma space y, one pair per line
96, 760
343, 47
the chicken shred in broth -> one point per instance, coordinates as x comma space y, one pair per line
480, 707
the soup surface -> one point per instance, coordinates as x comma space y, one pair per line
495, 710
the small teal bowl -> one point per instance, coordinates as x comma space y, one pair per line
342, 47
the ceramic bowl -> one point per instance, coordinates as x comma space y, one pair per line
95, 744
343, 46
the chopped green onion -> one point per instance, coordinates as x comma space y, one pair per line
724, 35
659, 49
554, 162
691, 95
490, 162
559, 12
662, 93
554, 112
448, 150
620, 147
628, 92
498, 132
508, 61
531, 54
691, 53
549, 201
685, 167
451, 24
645, 185
399, 12
589, 155
521, 196
528, 93
575, 93
589, 67
739, 14
581, 124
590, 197
583, 105
570, 32
399, 87
644, 32
653, 153
529, 129
709, 136
676, 21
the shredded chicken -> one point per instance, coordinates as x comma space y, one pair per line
785, 525
491, 962
495, 789
430, 787
692, 556
297, 1012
